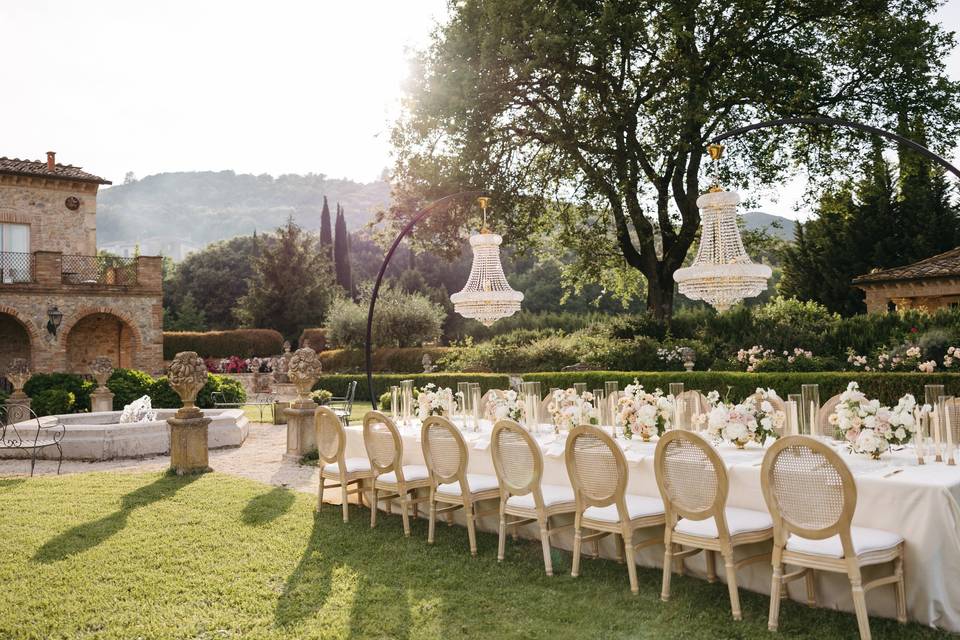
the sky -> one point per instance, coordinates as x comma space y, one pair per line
308, 86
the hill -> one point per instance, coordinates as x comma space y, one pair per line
199, 207
777, 226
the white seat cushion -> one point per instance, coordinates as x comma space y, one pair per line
411, 473
864, 541
637, 507
738, 521
352, 464
478, 483
553, 494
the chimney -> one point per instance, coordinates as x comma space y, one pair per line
51, 160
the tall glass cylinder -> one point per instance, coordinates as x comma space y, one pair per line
600, 404
931, 396
463, 398
696, 409
394, 402
475, 404
797, 401
580, 388
406, 401
537, 417
810, 394
675, 389
611, 390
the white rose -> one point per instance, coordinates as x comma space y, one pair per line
737, 431
900, 433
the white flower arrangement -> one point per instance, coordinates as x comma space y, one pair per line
644, 413
869, 428
433, 400
508, 405
570, 409
753, 420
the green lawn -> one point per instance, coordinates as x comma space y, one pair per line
154, 556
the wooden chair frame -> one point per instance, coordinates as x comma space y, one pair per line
724, 543
467, 498
625, 527
541, 513
399, 490
823, 427
326, 418
850, 563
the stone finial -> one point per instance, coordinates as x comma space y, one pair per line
188, 374
304, 370
101, 368
18, 373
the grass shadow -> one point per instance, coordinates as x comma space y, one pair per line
6, 483
308, 586
90, 534
267, 507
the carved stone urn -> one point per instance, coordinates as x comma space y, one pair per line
304, 370
101, 399
189, 452
18, 373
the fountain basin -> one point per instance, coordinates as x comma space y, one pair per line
100, 435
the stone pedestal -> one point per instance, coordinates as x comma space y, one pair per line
18, 407
101, 400
301, 437
188, 442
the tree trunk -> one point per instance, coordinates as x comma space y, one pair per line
660, 296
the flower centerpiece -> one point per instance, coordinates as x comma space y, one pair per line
570, 409
433, 400
505, 405
644, 413
753, 420
869, 428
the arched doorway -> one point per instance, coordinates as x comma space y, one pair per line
14, 343
100, 334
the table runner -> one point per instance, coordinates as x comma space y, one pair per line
918, 502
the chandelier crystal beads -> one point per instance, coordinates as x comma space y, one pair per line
722, 273
487, 296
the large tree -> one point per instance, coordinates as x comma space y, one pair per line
341, 252
291, 286
588, 119
326, 234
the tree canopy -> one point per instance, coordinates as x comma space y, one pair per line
587, 120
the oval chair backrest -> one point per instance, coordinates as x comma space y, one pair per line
489, 397
823, 426
545, 415
596, 466
692, 477
331, 439
809, 490
517, 459
694, 403
383, 443
778, 405
444, 450
952, 407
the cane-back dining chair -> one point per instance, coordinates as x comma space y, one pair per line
823, 426
385, 451
694, 404
519, 465
446, 455
812, 496
694, 485
598, 472
331, 443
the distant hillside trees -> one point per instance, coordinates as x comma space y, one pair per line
341, 253
326, 235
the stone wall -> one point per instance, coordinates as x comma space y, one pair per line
40, 203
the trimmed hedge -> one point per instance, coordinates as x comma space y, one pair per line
888, 387
395, 360
337, 384
246, 343
316, 339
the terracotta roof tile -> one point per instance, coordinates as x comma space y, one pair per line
943, 265
18, 167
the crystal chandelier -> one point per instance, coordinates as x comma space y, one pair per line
487, 296
722, 273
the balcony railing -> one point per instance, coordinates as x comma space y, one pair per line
16, 267
99, 270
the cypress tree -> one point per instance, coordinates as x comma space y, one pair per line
326, 237
341, 252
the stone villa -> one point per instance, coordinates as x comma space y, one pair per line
62, 305
929, 284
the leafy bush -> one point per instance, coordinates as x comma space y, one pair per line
53, 401
316, 339
321, 396
401, 320
127, 385
73, 383
245, 343
347, 324
386, 360
162, 394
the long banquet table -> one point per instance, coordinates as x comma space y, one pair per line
918, 502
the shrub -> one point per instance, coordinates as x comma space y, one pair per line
347, 324
386, 360
73, 383
321, 396
162, 394
127, 385
245, 343
316, 339
53, 401
401, 320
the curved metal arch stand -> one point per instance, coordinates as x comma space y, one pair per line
838, 122
423, 213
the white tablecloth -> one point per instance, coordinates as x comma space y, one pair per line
919, 502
